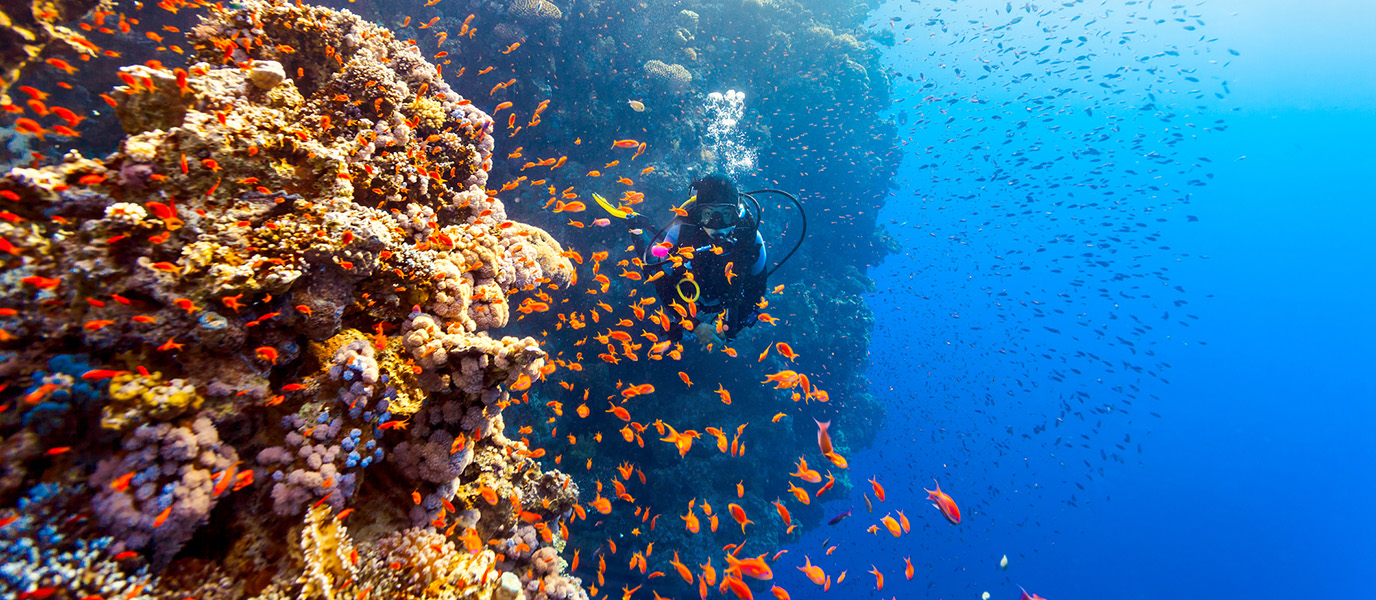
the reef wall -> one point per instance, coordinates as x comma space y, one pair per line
270, 344
248, 354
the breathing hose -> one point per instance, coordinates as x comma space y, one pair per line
801, 213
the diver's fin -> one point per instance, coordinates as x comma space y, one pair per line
612, 210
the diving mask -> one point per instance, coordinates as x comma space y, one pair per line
717, 216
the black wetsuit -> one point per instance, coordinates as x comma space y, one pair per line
737, 297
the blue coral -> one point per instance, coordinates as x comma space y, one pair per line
65, 371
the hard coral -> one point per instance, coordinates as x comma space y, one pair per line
135, 397
535, 10
271, 202
669, 77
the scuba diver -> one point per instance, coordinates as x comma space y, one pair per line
710, 260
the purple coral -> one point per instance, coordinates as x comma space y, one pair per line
311, 465
171, 492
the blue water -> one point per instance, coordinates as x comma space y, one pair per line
1255, 479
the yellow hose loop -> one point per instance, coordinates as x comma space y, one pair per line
697, 291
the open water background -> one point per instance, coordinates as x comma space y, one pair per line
1257, 479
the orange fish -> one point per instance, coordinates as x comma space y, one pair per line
754, 568
823, 438
62, 64
805, 473
944, 503
878, 489
70, 117
122, 482
736, 587
625, 144
684, 377
266, 354
488, 494
682, 569
34, 93
98, 374
908, 570
892, 525
813, 572
245, 479
621, 413
682, 441
29, 126
738, 514
162, 517
878, 578
783, 512
690, 519
42, 283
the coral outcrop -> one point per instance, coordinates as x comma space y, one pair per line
285, 286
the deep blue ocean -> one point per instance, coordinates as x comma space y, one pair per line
1248, 473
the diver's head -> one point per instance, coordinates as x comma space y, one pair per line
718, 203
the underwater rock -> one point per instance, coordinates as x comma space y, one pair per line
267, 74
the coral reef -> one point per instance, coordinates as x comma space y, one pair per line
283, 304
306, 185
43, 549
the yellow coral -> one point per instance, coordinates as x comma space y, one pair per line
401, 377
135, 398
428, 112
324, 551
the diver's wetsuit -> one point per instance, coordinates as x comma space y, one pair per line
737, 297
